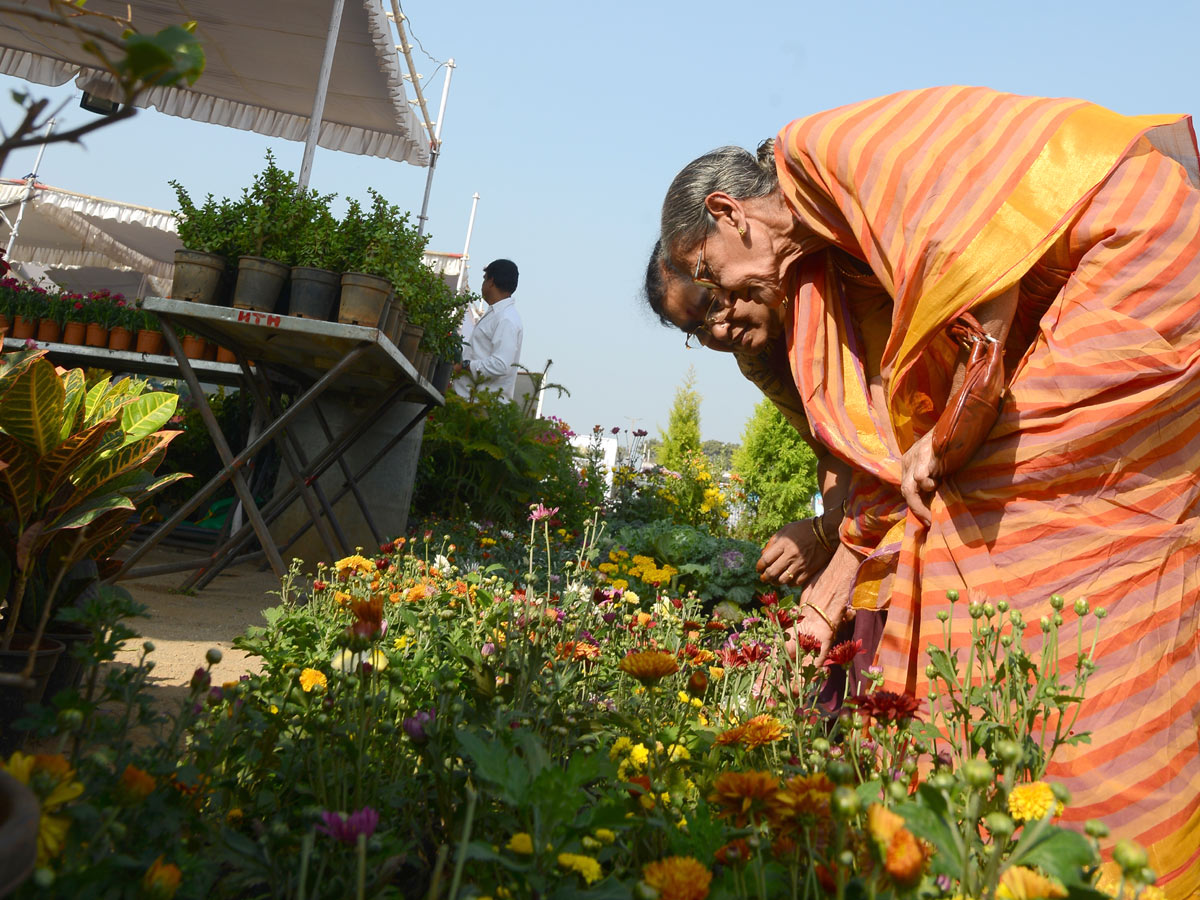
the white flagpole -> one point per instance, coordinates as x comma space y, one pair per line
30, 184
318, 110
466, 254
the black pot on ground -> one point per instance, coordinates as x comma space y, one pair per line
259, 283
197, 276
14, 698
68, 670
20, 818
410, 341
314, 292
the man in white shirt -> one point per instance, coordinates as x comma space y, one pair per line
493, 349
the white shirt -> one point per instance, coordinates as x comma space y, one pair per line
494, 349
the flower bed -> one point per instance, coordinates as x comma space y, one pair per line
426, 724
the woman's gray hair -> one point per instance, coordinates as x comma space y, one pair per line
731, 170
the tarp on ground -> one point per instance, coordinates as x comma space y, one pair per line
263, 58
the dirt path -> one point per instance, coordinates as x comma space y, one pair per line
184, 627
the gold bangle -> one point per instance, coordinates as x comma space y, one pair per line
818, 528
820, 613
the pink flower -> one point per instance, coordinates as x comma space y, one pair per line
345, 828
539, 512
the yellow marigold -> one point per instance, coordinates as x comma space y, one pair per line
716, 673
642, 619
521, 843
621, 746
619, 583
639, 755
415, 593
355, 564
743, 796
1029, 802
584, 865
762, 730
605, 835
803, 800
649, 666
1020, 883
678, 878
137, 783
161, 880
312, 678
905, 858
342, 598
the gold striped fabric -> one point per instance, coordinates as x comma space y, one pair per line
1089, 483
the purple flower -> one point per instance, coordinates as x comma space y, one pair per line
345, 828
733, 559
487, 649
540, 511
414, 726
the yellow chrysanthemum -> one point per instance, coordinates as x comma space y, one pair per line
621, 746
312, 678
802, 801
716, 673
355, 564
58, 789
1030, 802
1020, 883
649, 666
678, 878
521, 843
639, 755
584, 865
605, 835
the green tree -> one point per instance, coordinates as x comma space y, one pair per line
682, 436
720, 455
778, 470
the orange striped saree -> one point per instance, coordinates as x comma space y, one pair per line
1088, 484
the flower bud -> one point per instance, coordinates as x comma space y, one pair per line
213, 656
999, 824
952, 596
1100, 612
844, 802
1095, 828
148, 646
931, 671
1009, 752
840, 772
1057, 602
1081, 607
989, 610
1002, 606
1058, 620
897, 790
943, 615
977, 773
1129, 855
975, 609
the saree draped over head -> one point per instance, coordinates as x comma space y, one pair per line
1088, 484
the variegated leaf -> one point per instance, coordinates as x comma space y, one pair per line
32, 407
95, 393
18, 479
28, 544
75, 388
121, 460
90, 509
15, 365
147, 414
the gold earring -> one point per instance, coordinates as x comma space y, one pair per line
741, 230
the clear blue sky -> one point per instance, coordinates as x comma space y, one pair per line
570, 119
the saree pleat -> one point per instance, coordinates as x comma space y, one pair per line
1088, 484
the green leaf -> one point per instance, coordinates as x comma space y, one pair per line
18, 479
90, 509
33, 406
1060, 853
929, 818
75, 388
147, 414
494, 763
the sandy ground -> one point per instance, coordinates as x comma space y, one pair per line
183, 627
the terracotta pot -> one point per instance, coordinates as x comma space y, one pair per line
120, 338
97, 335
49, 331
197, 276
4, 326
20, 818
259, 283
210, 351
24, 328
194, 347
74, 333
150, 341
225, 355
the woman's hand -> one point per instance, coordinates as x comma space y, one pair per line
793, 555
823, 605
920, 473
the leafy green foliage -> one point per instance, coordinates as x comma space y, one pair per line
778, 472
682, 436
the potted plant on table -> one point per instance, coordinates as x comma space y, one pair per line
271, 212
316, 273
207, 235
52, 318
123, 323
99, 312
28, 303
149, 336
75, 319
377, 248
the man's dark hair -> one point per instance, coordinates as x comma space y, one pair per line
504, 274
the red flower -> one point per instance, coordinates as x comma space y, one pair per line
887, 706
843, 654
807, 644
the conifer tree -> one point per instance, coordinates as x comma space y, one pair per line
682, 436
778, 470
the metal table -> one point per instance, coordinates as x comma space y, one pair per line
307, 358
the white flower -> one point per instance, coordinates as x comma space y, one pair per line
348, 662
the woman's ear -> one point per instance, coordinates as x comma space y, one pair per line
722, 206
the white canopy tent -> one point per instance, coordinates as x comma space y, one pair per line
263, 69
85, 243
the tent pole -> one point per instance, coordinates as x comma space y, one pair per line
318, 110
462, 269
435, 149
30, 184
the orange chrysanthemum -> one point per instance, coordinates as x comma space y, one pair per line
731, 735
579, 651
735, 853
762, 730
803, 801
678, 878
137, 783
354, 565
743, 796
649, 666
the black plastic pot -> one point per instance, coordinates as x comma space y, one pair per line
314, 292
364, 300
259, 283
197, 276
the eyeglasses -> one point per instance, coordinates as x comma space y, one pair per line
702, 274
710, 315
